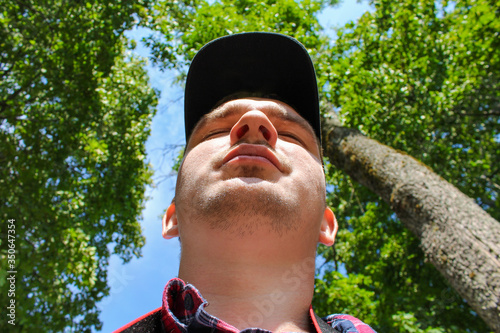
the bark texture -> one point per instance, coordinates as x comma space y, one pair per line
457, 236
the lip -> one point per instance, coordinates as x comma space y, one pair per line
252, 153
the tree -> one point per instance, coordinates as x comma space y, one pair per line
185, 26
456, 235
420, 76
75, 110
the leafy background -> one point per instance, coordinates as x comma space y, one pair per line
77, 106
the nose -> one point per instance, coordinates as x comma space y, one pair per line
254, 126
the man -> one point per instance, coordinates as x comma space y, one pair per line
250, 196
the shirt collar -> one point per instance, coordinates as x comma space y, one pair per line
183, 311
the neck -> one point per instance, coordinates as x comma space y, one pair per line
253, 283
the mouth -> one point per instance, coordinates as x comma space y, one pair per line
252, 154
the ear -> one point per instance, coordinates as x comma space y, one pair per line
170, 228
329, 228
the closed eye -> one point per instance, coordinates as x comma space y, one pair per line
291, 136
215, 133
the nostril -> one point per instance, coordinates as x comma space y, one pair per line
265, 132
241, 131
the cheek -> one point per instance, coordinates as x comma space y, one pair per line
203, 153
315, 179
304, 162
200, 160
307, 173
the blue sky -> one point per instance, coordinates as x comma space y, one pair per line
136, 287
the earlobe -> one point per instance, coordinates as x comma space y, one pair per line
329, 228
170, 228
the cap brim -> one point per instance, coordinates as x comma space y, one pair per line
266, 63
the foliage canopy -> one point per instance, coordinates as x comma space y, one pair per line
75, 110
421, 76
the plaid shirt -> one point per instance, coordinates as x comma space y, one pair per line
183, 311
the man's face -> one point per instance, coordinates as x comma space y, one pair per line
252, 163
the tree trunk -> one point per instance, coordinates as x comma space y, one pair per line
456, 235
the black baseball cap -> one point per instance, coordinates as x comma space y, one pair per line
259, 63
